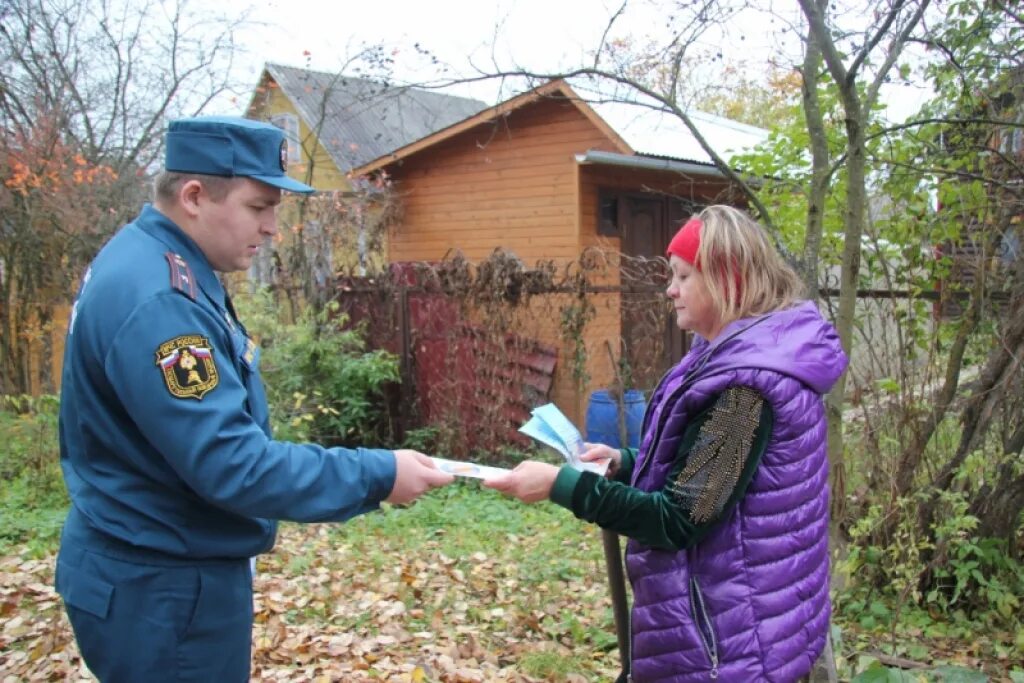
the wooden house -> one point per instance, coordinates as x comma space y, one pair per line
334, 123
546, 175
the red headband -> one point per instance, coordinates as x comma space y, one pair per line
686, 243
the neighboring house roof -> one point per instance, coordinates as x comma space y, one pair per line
359, 119
635, 130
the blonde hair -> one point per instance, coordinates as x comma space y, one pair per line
744, 272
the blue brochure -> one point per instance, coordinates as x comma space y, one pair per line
553, 429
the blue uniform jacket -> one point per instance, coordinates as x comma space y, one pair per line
165, 438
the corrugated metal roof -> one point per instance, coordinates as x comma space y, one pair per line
364, 119
646, 131
660, 134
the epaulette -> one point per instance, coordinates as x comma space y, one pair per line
181, 275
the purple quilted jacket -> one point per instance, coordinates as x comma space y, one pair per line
750, 602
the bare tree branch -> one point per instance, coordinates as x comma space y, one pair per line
607, 29
893, 52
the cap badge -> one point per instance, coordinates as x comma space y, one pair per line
284, 155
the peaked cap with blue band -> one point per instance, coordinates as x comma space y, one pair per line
230, 146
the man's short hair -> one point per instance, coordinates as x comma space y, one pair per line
167, 184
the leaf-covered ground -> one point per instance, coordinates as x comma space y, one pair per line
462, 586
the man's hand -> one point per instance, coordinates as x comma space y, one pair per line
596, 452
530, 481
415, 474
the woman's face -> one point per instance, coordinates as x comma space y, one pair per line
690, 297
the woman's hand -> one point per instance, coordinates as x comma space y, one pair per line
596, 452
530, 481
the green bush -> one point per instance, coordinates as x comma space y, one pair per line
947, 569
322, 382
33, 500
975, 579
982, 579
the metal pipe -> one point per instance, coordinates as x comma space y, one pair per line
617, 588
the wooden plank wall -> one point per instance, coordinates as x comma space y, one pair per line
515, 183
605, 329
511, 183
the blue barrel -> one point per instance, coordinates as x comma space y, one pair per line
603, 418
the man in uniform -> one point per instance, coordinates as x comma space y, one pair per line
174, 478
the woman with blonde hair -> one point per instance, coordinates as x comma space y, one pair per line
725, 502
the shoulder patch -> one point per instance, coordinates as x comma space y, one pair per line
187, 366
181, 275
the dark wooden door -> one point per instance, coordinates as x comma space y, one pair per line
644, 234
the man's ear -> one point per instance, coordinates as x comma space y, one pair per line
188, 197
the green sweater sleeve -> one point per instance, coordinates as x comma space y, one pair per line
727, 440
565, 482
625, 472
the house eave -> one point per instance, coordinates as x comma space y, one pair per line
601, 158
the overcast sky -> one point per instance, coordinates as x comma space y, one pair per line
545, 35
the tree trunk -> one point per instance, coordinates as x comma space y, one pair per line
856, 109
816, 197
998, 506
996, 379
848, 277
819, 165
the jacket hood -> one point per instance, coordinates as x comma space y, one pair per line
797, 341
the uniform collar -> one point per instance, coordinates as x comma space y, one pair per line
159, 226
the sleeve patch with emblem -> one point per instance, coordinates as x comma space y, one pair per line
716, 459
187, 366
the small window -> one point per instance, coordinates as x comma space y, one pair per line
289, 123
608, 214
